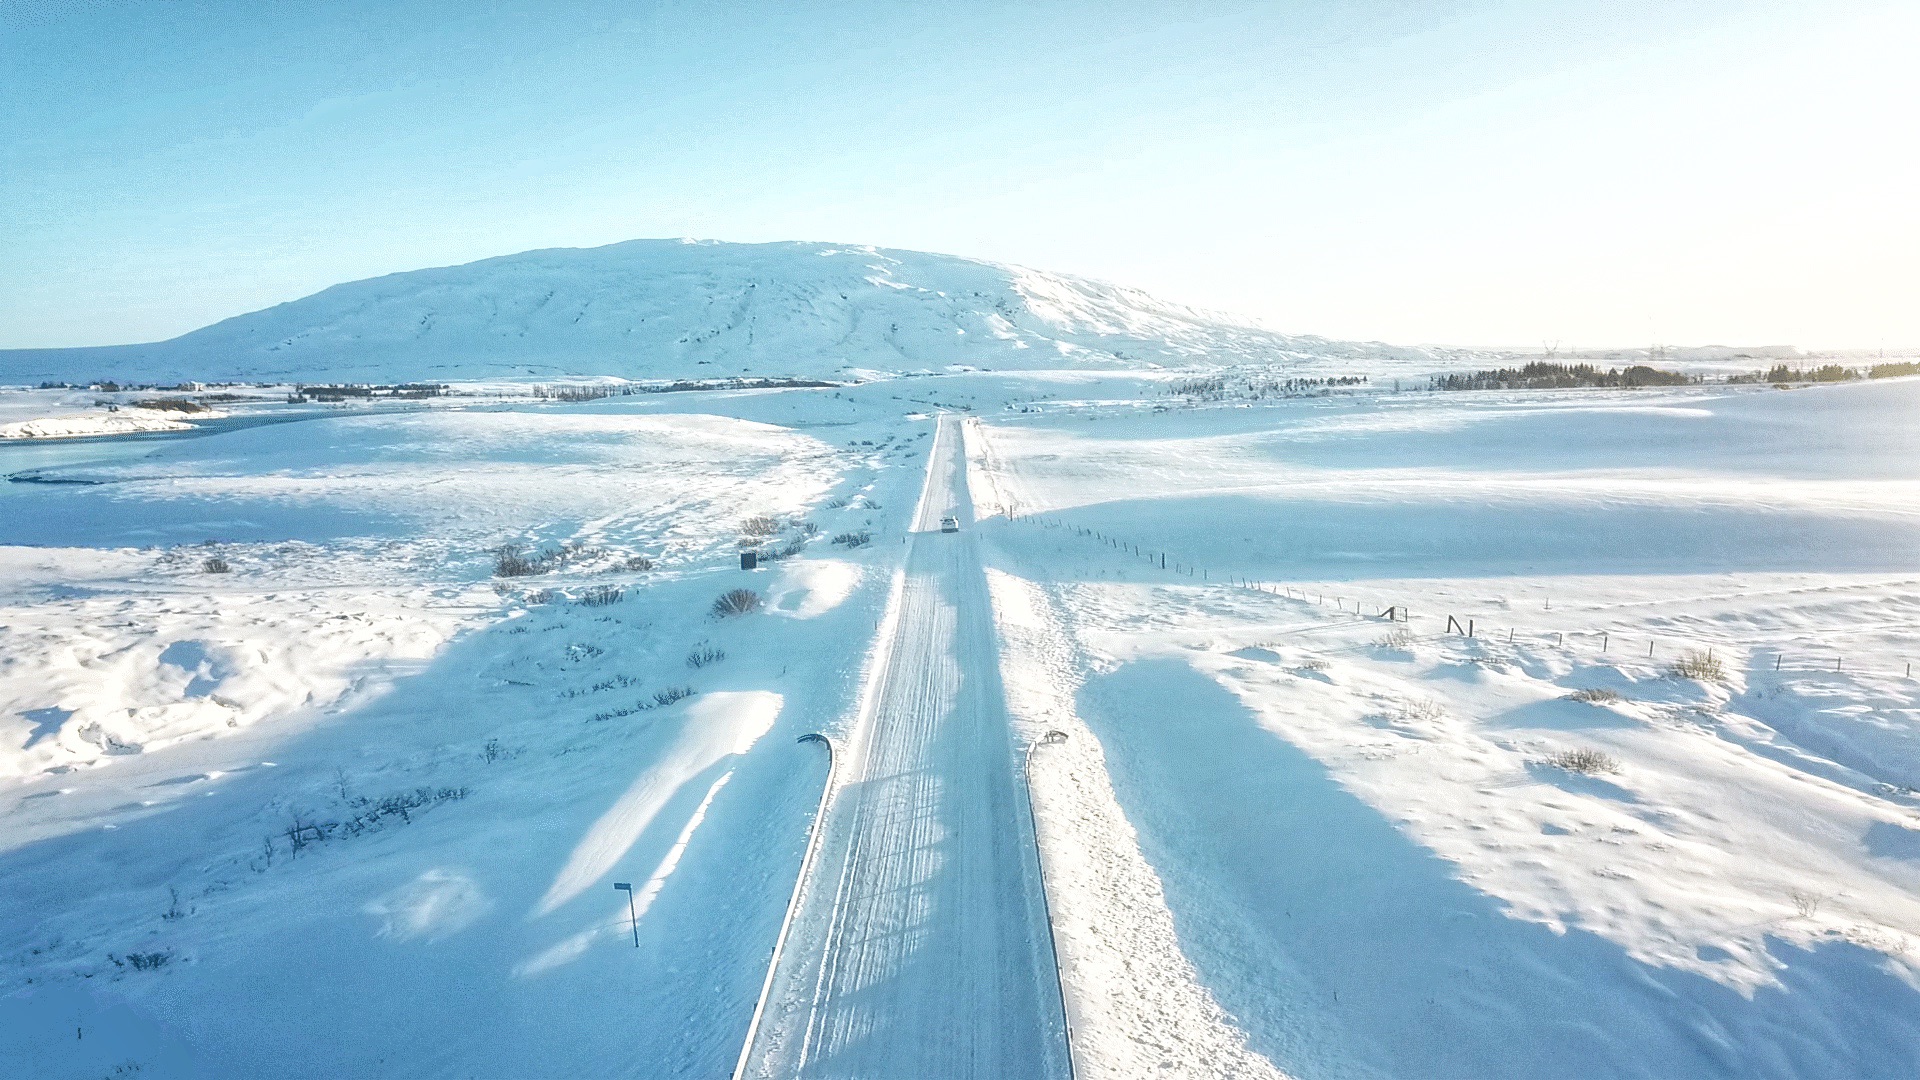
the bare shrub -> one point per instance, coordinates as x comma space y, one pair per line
705, 653
614, 682
760, 525
1703, 666
1421, 709
1805, 902
370, 815
1311, 664
602, 595
215, 565
1584, 760
737, 602
663, 698
538, 597
374, 813
637, 562
857, 538
613, 714
509, 562
1397, 638
837, 502
807, 528
1594, 697
785, 551
148, 961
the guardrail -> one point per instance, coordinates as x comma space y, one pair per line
1046, 904
793, 903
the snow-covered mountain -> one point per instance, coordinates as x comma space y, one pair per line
684, 309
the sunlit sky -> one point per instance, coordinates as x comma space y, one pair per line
1589, 173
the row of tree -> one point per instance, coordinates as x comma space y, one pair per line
1541, 375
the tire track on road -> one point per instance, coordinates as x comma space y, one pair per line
922, 948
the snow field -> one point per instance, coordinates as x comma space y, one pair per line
1372, 860
1281, 838
363, 807
1135, 1002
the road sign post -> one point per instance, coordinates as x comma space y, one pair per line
634, 919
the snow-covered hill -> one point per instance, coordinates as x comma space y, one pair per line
685, 309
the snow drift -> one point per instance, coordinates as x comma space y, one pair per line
650, 309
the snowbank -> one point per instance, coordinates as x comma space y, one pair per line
1379, 849
72, 427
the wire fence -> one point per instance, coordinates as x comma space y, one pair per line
1670, 652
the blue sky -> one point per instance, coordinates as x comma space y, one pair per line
1461, 172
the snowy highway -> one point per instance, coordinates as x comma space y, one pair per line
920, 947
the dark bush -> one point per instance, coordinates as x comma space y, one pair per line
148, 961
508, 562
737, 602
1585, 760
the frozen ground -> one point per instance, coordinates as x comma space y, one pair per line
347, 808
1366, 848
354, 806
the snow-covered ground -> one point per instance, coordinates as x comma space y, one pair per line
353, 805
1373, 852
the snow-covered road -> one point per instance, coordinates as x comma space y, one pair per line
921, 946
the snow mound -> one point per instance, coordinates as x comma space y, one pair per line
77, 427
652, 309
